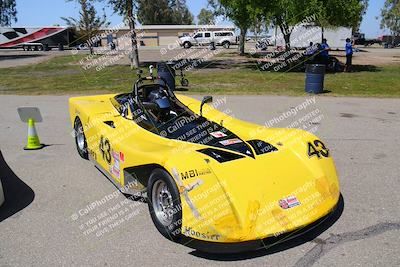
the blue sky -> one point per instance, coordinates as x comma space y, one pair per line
48, 12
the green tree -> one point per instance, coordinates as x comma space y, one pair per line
8, 12
205, 17
126, 9
286, 14
240, 12
155, 12
345, 13
363, 11
88, 24
341, 13
164, 12
181, 13
257, 27
391, 17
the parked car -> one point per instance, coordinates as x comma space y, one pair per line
224, 38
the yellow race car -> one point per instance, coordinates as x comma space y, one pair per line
206, 175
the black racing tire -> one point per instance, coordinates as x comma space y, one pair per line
226, 44
187, 45
80, 139
169, 226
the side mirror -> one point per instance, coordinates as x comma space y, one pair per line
206, 99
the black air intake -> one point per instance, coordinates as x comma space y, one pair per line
261, 147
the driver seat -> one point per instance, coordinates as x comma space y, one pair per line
146, 90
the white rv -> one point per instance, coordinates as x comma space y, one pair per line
303, 34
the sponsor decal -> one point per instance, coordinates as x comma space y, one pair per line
230, 141
194, 173
218, 134
289, 202
279, 233
121, 156
188, 231
115, 168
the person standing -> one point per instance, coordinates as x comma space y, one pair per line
349, 55
310, 52
325, 51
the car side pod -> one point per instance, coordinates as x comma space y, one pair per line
31, 115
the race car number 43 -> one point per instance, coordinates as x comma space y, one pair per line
105, 149
317, 148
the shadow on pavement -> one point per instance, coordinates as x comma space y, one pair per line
272, 245
17, 194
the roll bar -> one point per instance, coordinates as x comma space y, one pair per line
149, 78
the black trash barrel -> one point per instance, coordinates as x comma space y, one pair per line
315, 74
167, 72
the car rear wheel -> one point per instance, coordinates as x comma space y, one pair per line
80, 139
164, 204
187, 45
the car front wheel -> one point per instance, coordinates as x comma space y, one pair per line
165, 204
80, 139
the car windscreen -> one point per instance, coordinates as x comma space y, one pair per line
199, 130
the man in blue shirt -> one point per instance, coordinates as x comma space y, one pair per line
349, 55
324, 51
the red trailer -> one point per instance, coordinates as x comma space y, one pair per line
34, 38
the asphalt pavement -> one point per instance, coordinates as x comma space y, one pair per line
47, 219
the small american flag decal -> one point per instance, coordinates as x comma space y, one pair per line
289, 202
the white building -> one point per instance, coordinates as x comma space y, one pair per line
159, 35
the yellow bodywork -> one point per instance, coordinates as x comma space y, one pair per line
234, 201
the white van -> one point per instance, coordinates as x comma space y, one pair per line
224, 38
